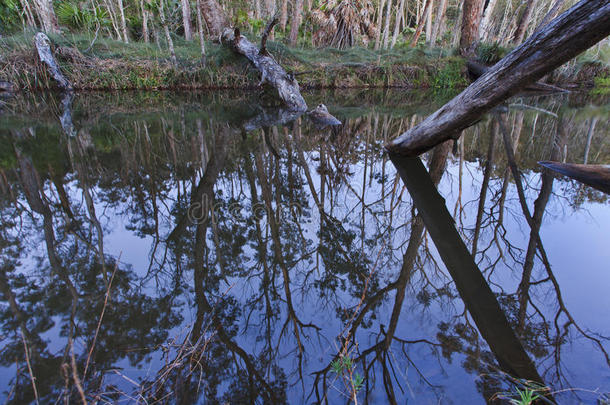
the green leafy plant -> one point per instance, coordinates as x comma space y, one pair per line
345, 368
526, 397
491, 53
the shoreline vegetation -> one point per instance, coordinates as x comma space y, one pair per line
91, 63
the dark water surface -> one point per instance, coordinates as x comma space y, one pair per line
154, 251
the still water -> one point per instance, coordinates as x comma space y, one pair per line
169, 248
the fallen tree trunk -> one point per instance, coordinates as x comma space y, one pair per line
271, 71
576, 30
476, 70
43, 47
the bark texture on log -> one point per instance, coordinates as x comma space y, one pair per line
43, 47
476, 70
271, 71
579, 28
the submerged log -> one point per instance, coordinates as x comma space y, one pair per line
43, 47
271, 71
596, 176
576, 30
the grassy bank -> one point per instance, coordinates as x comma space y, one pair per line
109, 64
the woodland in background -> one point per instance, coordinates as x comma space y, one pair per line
379, 24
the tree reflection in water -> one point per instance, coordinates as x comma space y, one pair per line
273, 252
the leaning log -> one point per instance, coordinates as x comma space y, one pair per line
596, 176
476, 70
271, 72
576, 30
43, 46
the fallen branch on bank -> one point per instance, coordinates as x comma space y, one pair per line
271, 71
43, 46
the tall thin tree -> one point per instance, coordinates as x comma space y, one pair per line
471, 18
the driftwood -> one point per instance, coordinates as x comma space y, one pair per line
43, 47
596, 176
271, 71
579, 28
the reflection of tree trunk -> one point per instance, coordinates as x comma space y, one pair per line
589, 138
437, 168
485, 186
471, 285
201, 195
38, 202
539, 208
20, 316
277, 245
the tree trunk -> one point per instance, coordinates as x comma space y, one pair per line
186, 20
484, 25
524, 22
386, 29
284, 15
296, 21
576, 30
420, 24
429, 22
471, 17
398, 23
46, 15
214, 17
168, 37
145, 17
378, 24
200, 31
123, 21
440, 16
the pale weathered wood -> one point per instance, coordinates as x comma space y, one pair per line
576, 30
43, 47
271, 71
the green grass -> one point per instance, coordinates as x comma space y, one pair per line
109, 64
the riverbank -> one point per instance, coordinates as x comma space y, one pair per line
104, 64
